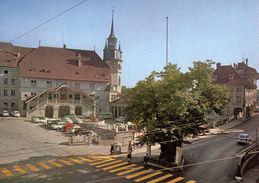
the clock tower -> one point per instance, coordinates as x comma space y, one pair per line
112, 57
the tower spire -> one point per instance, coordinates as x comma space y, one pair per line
112, 29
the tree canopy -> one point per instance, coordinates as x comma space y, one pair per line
171, 104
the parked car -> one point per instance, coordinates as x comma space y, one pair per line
35, 119
120, 119
244, 138
15, 114
5, 113
105, 115
50, 121
74, 118
58, 125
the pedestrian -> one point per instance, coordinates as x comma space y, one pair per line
146, 160
112, 149
129, 151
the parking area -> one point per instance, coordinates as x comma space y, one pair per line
21, 139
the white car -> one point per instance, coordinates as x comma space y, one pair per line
43, 120
5, 113
48, 122
58, 125
244, 138
120, 119
15, 114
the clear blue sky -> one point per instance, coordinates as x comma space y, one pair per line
220, 30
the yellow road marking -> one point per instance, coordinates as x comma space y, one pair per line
45, 166
66, 162
86, 159
100, 157
32, 168
76, 160
175, 180
122, 168
100, 162
128, 171
110, 163
55, 163
147, 176
19, 169
191, 181
160, 178
6, 172
114, 166
137, 174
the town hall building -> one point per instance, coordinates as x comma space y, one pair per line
53, 81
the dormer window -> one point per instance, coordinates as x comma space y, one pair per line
231, 76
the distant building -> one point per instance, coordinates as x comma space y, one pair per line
240, 79
52, 81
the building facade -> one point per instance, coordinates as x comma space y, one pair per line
52, 81
240, 79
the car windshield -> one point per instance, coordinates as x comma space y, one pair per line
242, 136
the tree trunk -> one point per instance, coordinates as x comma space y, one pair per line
167, 153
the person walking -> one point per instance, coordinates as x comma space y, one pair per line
129, 151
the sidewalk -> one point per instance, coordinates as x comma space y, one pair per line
224, 128
252, 175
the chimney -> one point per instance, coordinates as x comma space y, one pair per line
218, 65
64, 46
246, 61
79, 60
19, 53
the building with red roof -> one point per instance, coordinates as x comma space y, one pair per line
53, 81
240, 79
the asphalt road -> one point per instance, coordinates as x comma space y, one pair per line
223, 146
30, 153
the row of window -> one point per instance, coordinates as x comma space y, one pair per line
49, 84
237, 89
12, 81
7, 92
238, 99
9, 81
7, 105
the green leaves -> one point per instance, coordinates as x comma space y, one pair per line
174, 100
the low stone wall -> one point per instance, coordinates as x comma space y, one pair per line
251, 162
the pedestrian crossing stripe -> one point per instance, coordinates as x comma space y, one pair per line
114, 166
6, 172
44, 166
75, 160
100, 162
86, 159
19, 169
160, 178
137, 174
148, 176
175, 180
110, 163
129, 171
66, 162
54, 163
32, 167
122, 168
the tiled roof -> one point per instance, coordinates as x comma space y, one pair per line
10, 55
60, 63
222, 75
122, 100
236, 75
